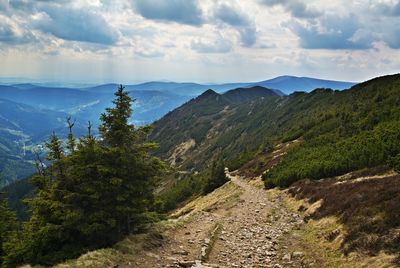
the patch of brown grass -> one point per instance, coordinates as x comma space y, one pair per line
261, 163
368, 208
225, 196
123, 252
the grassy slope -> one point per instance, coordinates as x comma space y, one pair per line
208, 120
340, 130
354, 214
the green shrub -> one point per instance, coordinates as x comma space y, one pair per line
217, 177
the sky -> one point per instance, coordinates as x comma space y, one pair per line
128, 41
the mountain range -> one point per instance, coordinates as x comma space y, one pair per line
29, 113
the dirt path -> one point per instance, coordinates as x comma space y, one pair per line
251, 236
248, 234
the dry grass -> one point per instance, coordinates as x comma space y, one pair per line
225, 196
122, 252
357, 217
257, 166
178, 155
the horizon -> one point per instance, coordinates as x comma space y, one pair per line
133, 41
59, 83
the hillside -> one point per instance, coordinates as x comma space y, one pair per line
22, 127
331, 125
192, 133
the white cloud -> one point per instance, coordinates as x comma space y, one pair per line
202, 40
217, 45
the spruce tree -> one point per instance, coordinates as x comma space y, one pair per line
217, 177
93, 193
130, 168
8, 228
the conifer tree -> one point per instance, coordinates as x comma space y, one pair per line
217, 177
70, 139
93, 193
130, 168
8, 227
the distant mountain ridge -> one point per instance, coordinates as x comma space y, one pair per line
281, 85
284, 84
289, 84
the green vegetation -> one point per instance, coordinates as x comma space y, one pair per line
192, 185
395, 163
217, 177
221, 125
95, 192
340, 131
16, 193
361, 129
8, 228
182, 189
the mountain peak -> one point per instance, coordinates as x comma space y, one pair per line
207, 93
248, 94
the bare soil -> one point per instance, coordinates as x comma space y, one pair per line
251, 230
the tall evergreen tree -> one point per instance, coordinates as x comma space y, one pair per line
8, 227
93, 193
129, 167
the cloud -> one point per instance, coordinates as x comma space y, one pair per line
392, 38
219, 45
13, 34
331, 32
248, 36
246, 28
179, 11
231, 16
149, 53
387, 9
297, 8
76, 25
4, 6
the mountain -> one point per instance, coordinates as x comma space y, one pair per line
281, 85
241, 95
21, 128
338, 152
289, 84
89, 103
153, 100
332, 126
200, 122
60, 99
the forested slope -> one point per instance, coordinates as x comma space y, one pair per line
339, 131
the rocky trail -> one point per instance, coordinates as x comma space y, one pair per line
249, 233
